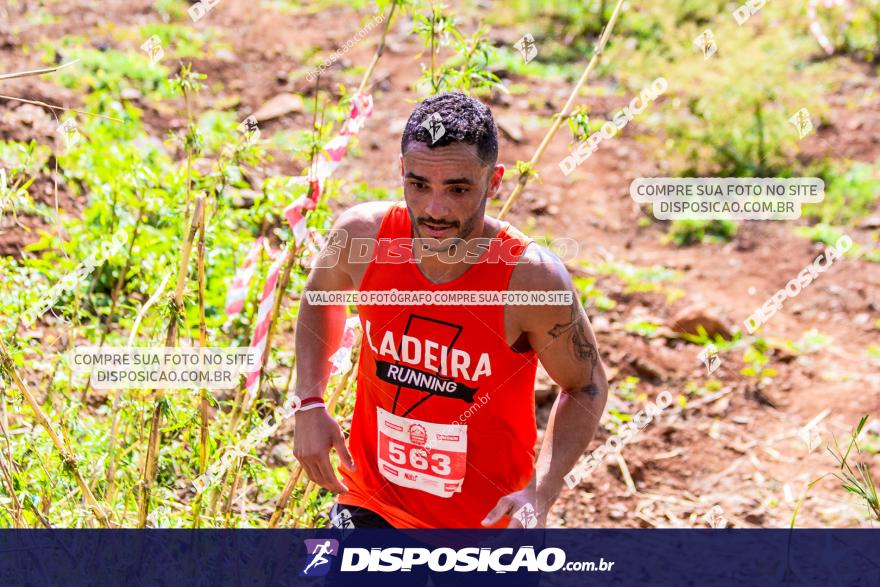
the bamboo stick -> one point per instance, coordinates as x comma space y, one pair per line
379, 50
563, 115
203, 393
152, 455
296, 473
32, 72
67, 456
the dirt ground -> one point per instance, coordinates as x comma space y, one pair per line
742, 451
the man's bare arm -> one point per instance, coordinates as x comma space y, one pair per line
319, 328
318, 335
566, 346
578, 408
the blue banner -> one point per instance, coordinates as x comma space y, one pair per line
717, 558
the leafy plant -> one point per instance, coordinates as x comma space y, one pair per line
639, 279
19, 165
468, 71
811, 341
756, 360
851, 192
858, 480
710, 123
106, 73
644, 328
686, 232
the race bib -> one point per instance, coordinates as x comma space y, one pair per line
422, 455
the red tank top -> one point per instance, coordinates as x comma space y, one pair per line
444, 416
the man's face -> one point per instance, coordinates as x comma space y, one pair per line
445, 189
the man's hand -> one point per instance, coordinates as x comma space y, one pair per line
522, 507
314, 434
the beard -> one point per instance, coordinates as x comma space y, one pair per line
464, 228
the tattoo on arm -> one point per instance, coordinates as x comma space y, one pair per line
580, 345
591, 390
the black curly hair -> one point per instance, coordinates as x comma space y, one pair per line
464, 120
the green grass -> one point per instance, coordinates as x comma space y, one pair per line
689, 232
852, 191
107, 73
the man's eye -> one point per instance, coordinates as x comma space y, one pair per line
417, 185
459, 190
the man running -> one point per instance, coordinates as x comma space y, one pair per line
443, 431
319, 553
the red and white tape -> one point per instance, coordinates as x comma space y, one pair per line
295, 214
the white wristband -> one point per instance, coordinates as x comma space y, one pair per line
311, 407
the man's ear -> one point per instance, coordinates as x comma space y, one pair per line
495, 180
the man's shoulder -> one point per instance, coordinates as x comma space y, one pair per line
539, 269
363, 220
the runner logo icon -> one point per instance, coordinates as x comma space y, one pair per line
318, 553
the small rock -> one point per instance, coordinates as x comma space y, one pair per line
784, 354
539, 207
223, 55
203, 165
600, 323
645, 368
510, 127
279, 106
719, 408
245, 198
871, 222
130, 94
687, 321
856, 124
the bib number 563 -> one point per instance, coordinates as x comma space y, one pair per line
417, 459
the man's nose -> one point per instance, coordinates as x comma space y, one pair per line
436, 207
